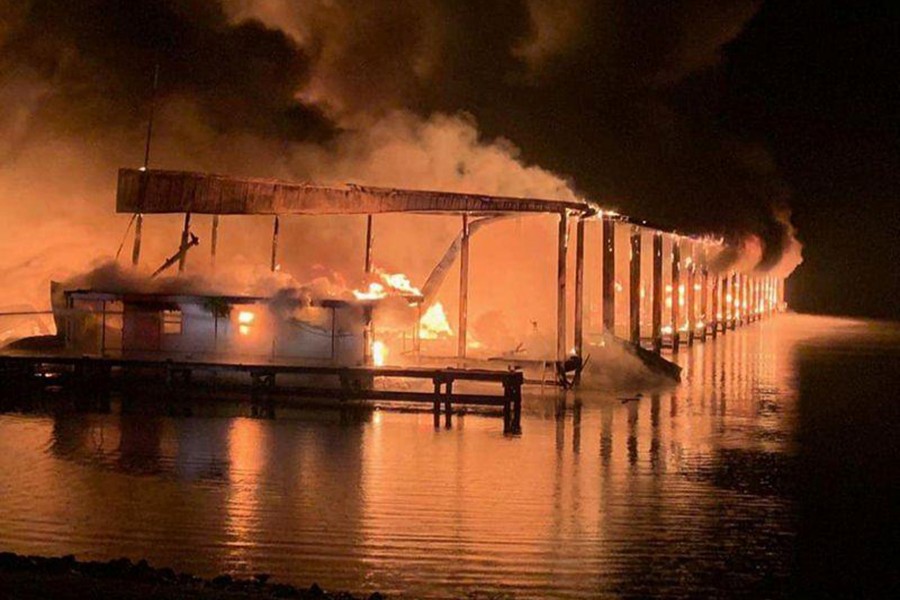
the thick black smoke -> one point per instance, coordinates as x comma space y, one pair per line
624, 97
98, 57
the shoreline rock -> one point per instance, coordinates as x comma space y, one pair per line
25, 577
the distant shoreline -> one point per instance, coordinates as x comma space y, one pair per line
32, 577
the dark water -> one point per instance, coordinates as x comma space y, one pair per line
771, 472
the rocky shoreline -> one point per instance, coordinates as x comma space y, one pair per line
27, 577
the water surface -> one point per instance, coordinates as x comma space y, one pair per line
770, 472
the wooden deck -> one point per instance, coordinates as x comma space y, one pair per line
96, 374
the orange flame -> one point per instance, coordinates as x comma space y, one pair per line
379, 353
433, 323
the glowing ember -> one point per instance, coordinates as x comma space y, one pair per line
433, 323
379, 353
245, 317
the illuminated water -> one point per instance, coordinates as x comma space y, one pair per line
772, 471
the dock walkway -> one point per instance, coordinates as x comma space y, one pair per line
96, 373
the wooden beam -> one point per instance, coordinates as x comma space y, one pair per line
609, 275
463, 288
657, 291
634, 287
160, 191
185, 234
138, 230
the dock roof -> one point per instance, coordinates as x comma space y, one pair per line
159, 191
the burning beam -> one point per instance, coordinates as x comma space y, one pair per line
178, 257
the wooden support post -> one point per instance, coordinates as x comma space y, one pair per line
448, 405
517, 407
275, 227
138, 229
561, 288
103, 328
751, 297
436, 409
726, 301
754, 298
744, 303
609, 276
676, 294
723, 301
369, 225
579, 293
657, 291
368, 330
691, 299
463, 289
714, 309
333, 333
579, 297
780, 293
704, 303
735, 300
214, 240
634, 287
185, 234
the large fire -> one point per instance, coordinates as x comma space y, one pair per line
433, 323
379, 353
391, 283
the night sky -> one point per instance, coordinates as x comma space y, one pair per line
704, 115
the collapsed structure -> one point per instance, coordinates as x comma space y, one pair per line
651, 287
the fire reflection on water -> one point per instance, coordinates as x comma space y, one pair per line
597, 488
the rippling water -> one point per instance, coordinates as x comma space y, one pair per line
771, 471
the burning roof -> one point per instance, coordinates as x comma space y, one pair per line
159, 191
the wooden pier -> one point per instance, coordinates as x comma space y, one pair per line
96, 376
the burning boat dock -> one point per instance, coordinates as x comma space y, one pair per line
610, 294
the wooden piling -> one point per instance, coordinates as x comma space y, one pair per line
657, 291
463, 289
561, 288
185, 234
609, 276
634, 287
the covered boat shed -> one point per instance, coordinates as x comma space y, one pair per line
698, 301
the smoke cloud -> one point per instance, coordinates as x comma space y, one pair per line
417, 93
